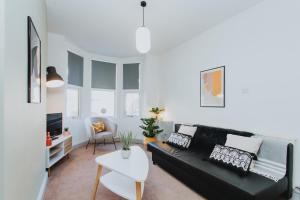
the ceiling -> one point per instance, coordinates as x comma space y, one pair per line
107, 27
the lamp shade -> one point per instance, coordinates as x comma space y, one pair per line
54, 80
143, 39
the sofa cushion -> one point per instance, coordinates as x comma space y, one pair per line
196, 163
179, 140
231, 158
250, 144
187, 130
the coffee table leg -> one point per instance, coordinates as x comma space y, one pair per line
138, 189
99, 171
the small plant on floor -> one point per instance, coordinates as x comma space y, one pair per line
126, 140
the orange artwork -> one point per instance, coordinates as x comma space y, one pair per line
212, 87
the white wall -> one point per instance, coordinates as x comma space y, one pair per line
260, 48
151, 83
56, 98
24, 124
1, 95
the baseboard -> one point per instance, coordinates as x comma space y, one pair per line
43, 187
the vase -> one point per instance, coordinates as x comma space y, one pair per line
125, 153
66, 133
149, 139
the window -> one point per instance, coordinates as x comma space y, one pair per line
131, 89
132, 103
103, 102
75, 82
73, 102
103, 88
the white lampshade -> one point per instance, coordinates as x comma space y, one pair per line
143, 39
54, 83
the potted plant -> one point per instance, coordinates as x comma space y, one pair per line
150, 129
156, 112
126, 141
66, 131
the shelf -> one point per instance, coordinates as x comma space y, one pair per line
55, 159
55, 150
121, 185
59, 148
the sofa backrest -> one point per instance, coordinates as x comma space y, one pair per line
206, 137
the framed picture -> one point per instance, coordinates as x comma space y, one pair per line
212, 87
34, 63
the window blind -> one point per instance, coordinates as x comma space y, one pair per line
103, 75
131, 76
75, 69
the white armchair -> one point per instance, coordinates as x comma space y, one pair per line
110, 126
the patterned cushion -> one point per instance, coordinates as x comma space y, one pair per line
179, 140
99, 127
232, 158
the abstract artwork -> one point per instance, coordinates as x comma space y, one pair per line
212, 87
34, 64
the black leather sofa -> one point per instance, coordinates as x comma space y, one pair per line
215, 182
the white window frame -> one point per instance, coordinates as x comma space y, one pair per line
74, 87
105, 90
125, 91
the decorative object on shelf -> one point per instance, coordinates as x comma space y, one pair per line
34, 63
126, 141
66, 131
54, 80
212, 87
48, 140
143, 35
151, 129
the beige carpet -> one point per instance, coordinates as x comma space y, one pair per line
73, 178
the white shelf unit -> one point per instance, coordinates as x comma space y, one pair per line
121, 185
60, 147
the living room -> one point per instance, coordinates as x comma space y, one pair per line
197, 76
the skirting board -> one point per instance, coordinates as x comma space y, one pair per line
43, 187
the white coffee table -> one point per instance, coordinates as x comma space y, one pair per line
127, 176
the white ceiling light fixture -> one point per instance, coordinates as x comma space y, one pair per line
143, 35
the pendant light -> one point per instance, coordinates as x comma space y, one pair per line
143, 35
54, 80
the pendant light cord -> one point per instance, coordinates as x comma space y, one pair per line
143, 17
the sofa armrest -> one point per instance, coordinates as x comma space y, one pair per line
289, 170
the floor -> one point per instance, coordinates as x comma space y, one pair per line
73, 178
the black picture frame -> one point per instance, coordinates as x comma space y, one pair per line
224, 88
34, 64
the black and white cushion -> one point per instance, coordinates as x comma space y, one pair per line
179, 140
232, 158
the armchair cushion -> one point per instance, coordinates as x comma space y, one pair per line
98, 126
110, 127
103, 135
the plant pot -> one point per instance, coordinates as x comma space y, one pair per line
66, 133
149, 139
125, 153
